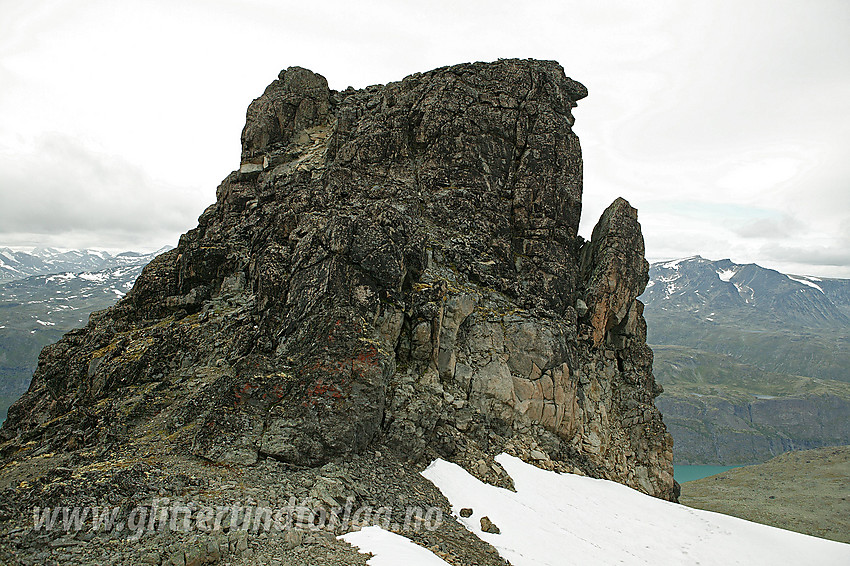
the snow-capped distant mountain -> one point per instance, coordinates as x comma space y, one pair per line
44, 261
37, 310
753, 361
716, 289
60, 299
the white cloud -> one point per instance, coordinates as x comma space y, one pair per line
761, 175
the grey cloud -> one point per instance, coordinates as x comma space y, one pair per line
770, 228
837, 255
63, 188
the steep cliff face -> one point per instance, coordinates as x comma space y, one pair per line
721, 411
396, 266
722, 431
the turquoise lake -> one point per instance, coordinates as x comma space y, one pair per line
691, 473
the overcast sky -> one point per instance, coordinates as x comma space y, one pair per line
725, 123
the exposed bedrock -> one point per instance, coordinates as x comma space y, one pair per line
396, 265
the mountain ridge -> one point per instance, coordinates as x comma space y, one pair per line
47, 261
726, 284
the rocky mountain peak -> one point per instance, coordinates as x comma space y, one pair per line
297, 100
615, 271
395, 267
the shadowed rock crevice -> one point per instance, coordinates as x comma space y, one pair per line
396, 266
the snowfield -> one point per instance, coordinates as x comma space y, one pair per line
805, 282
726, 274
391, 549
558, 519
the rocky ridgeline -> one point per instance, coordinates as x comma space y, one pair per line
395, 268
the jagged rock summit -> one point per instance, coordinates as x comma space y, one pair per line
396, 267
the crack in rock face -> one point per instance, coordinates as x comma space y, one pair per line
397, 265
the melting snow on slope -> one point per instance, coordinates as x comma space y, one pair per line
390, 549
726, 274
99, 277
671, 285
745, 292
61, 277
676, 262
805, 282
558, 519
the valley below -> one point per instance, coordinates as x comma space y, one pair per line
805, 491
37, 309
753, 362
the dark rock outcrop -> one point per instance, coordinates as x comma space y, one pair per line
394, 266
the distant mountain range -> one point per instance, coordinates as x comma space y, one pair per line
47, 261
754, 362
712, 289
37, 309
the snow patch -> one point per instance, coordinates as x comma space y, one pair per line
726, 274
745, 292
61, 277
390, 549
805, 282
45, 323
677, 262
554, 516
99, 277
